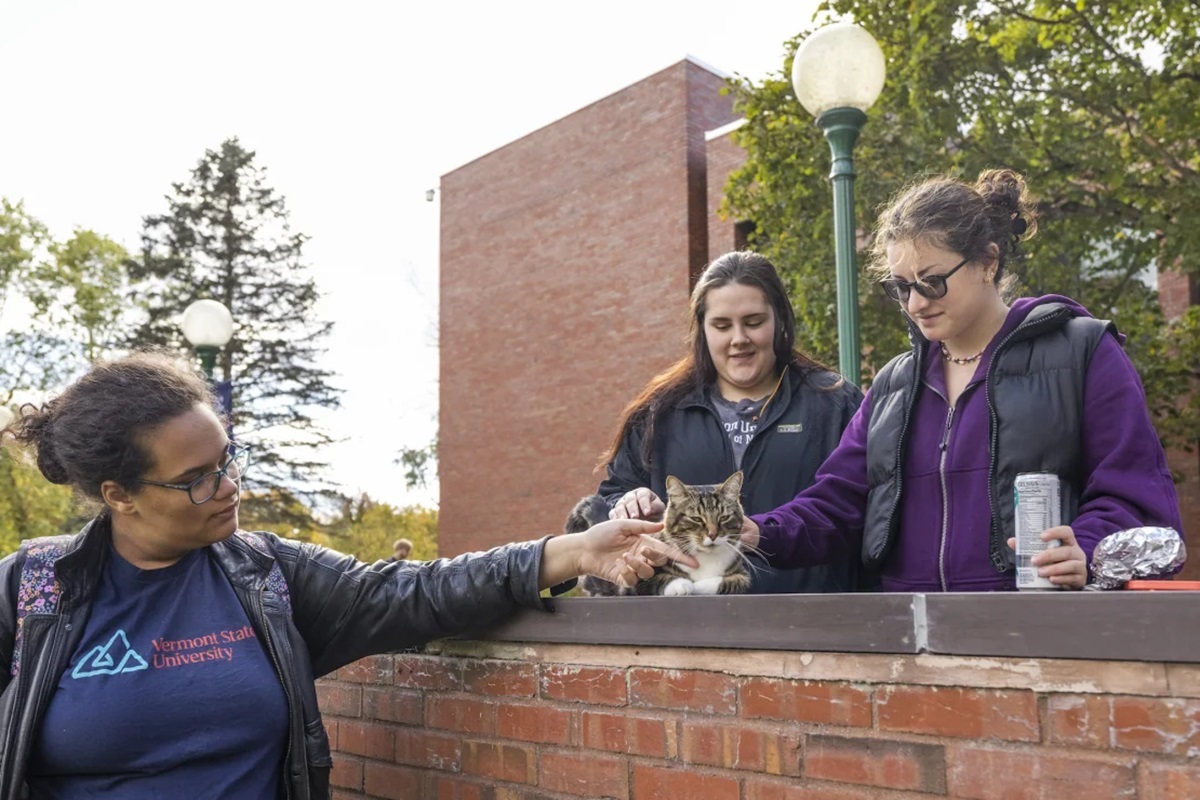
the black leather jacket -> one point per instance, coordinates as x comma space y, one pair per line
341, 611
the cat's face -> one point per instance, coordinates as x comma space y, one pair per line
702, 517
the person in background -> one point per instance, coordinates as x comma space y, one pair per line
162, 648
742, 397
922, 481
401, 550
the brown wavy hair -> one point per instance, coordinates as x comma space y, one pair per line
93, 431
696, 369
962, 218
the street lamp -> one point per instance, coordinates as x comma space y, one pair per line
208, 326
838, 73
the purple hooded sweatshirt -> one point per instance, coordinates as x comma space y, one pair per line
1127, 484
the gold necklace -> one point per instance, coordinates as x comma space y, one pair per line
778, 383
968, 360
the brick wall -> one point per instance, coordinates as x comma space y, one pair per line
565, 259
1176, 291
544, 722
723, 156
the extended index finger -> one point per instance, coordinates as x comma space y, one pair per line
668, 551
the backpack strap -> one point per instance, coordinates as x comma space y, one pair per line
276, 583
39, 590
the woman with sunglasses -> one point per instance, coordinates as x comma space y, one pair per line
922, 481
162, 652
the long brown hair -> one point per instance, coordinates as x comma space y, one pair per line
696, 369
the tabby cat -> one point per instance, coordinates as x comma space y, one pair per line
702, 521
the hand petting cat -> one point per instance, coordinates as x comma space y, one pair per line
620, 551
750, 534
639, 503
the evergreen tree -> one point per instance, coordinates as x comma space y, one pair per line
225, 236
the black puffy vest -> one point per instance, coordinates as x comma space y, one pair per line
1034, 388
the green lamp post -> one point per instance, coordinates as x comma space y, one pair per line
208, 326
838, 73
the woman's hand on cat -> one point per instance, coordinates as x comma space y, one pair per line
749, 534
640, 503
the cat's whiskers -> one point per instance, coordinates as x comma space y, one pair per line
741, 548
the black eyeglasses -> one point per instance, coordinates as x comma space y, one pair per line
205, 487
931, 287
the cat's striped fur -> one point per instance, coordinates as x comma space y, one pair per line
702, 521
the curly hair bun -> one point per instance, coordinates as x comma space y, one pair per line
35, 428
1005, 192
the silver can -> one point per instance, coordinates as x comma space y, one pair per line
1037, 497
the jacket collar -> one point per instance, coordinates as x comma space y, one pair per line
79, 568
82, 562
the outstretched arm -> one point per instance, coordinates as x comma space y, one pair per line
822, 523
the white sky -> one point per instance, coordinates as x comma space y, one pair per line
355, 109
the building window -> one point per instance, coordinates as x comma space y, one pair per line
742, 231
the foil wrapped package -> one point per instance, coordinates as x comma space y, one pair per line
1135, 554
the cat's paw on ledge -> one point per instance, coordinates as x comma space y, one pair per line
679, 587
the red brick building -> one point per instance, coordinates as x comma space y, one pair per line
565, 265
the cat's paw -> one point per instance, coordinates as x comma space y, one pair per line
708, 586
679, 587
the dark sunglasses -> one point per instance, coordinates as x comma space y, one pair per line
931, 287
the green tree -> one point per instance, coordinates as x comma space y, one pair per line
34, 358
1098, 104
419, 464
281, 512
367, 529
29, 505
226, 236
80, 292
21, 238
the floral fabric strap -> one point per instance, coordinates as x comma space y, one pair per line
39, 591
276, 583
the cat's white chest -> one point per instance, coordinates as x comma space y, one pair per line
714, 563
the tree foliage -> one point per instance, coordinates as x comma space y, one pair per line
226, 236
81, 292
1098, 104
420, 463
29, 505
368, 529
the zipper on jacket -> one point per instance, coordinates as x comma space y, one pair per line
943, 446
287, 756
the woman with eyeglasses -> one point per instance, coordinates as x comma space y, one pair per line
922, 481
163, 652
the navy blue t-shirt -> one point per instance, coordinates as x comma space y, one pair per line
170, 694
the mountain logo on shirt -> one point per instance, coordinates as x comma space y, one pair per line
111, 659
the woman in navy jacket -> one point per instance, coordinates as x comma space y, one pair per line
743, 397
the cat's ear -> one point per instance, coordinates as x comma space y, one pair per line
676, 489
732, 487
